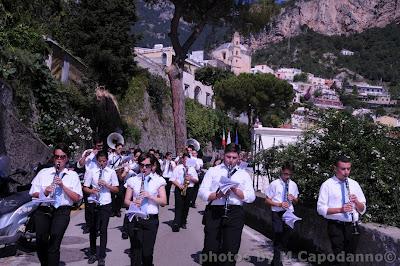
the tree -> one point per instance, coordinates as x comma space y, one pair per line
99, 33
300, 77
259, 95
210, 75
199, 13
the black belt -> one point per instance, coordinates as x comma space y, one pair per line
230, 206
52, 208
339, 222
148, 217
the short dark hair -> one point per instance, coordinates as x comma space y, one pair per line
146, 155
97, 140
168, 153
102, 153
343, 159
119, 144
137, 150
232, 147
151, 150
191, 146
63, 147
288, 166
185, 154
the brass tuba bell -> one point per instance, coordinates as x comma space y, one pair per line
113, 139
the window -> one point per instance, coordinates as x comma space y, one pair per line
164, 59
208, 99
223, 55
186, 92
237, 52
197, 91
65, 71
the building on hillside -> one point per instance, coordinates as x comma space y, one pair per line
346, 52
158, 58
374, 96
63, 65
287, 73
327, 100
262, 69
235, 55
302, 118
388, 121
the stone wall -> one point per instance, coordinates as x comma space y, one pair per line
310, 234
18, 142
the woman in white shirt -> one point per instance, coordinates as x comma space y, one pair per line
147, 192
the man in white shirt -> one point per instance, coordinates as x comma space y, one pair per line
341, 201
115, 160
199, 167
183, 177
224, 214
99, 183
281, 194
52, 219
168, 166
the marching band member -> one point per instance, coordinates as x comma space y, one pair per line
168, 167
103, 181
114, 162
52, 220
280, 195
183, 177
147, 191
199, 166
224, 216
341, 201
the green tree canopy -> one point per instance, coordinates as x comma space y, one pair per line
210, 75
259, 95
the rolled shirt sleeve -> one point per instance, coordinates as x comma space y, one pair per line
322, 203
205, 187
248, 190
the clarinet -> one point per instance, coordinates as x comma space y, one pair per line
100, 176
226, 209
53, 193
185, 182
355, 224
287, 192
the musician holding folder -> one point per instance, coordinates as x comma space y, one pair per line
224, 215
280, 195
61, 187
144, 194
99, 183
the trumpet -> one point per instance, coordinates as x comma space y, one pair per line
355, 224
185, 182
230, 174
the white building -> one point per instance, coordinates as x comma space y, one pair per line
346, 52
287, 73
262, 69
158, 58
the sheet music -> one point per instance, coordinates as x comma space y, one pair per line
42, 198
135, 211
191, 162
243, 165
290, 218
225, 184
92, 198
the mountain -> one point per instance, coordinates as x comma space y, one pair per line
329, 17
154, 24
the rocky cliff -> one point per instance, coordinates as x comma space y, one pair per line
329, 17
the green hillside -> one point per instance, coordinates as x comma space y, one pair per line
376, 54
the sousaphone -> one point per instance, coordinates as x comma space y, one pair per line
113, 139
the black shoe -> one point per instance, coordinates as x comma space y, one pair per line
118, 214
86, 230
193, 206
175, 228
183, 226
125, 235
92, 259
101, 262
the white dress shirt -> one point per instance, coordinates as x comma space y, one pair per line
90, 161
211, 183
199, 163
330, 196
275, 191
155, 182
45, 178
114, 160
92, 179
178, 175
167, 170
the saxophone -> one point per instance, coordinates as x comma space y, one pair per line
185, 182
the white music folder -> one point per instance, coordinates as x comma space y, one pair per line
290, 218
225, 184
135, 211
42, 198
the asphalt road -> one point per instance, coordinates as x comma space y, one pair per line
181, 248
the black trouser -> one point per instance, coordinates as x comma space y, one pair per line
118, 198
342, 238
222, 235
85, 200
99, 214
196, 190
182, 205
280, 236
142, 235
51, 225
168, 188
